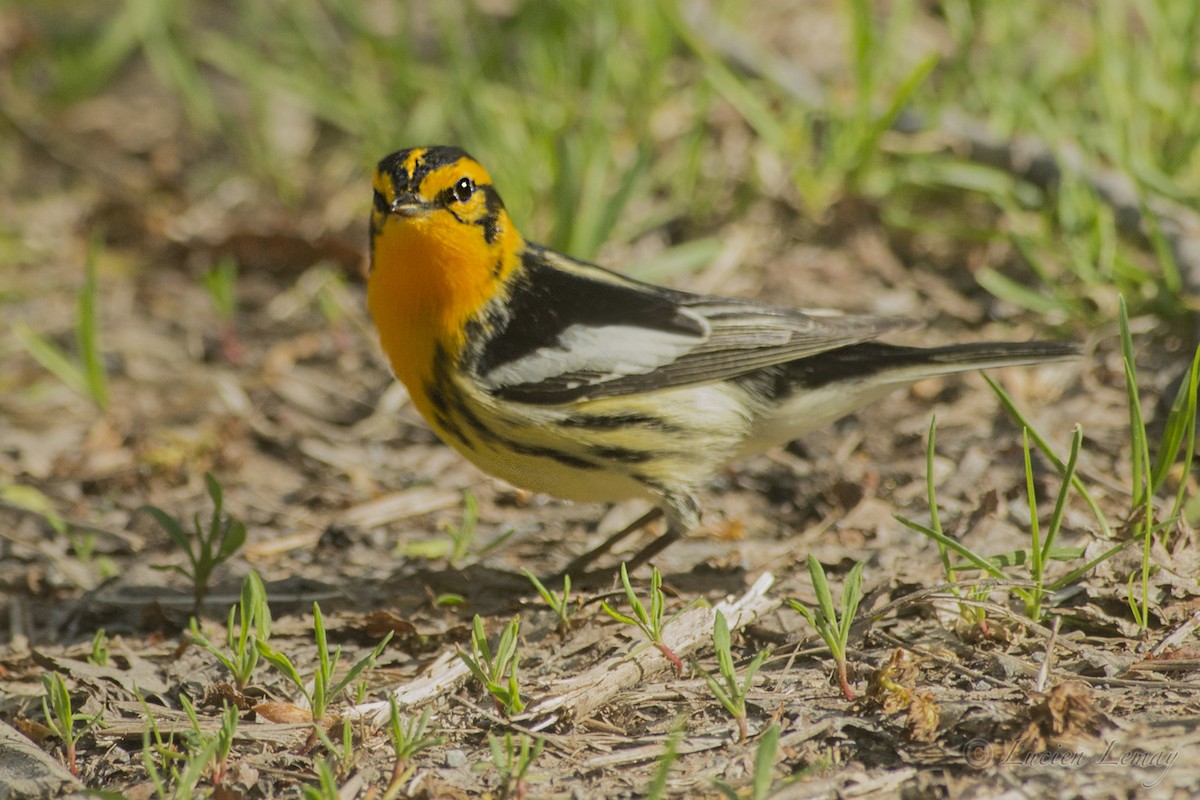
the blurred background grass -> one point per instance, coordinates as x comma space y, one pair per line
606, 121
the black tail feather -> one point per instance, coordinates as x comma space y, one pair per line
872, 359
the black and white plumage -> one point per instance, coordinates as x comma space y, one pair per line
560, 376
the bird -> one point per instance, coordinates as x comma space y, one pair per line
566, 378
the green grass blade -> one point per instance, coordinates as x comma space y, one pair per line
764, 763
87, 333
851, 596
979, 562
1035, 532
821, 589
1044, 448
1137, 426
1060, 502
53, 359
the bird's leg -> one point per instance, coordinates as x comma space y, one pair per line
582, 562
683, 517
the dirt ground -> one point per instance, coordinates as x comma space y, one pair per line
347, 498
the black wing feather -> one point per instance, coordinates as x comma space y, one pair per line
719, 337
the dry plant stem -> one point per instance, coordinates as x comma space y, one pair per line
399, 767
579, 696
1178, 636
843, 681
443, 676
1044, 673
669, 655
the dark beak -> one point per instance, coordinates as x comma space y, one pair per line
407, 204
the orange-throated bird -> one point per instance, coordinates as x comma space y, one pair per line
562, 377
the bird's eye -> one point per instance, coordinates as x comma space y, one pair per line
463, 190
381, 203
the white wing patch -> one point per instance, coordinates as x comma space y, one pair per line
599, 353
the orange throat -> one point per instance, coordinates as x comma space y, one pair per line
429, 279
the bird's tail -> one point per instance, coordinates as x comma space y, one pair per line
885, 363
812, 392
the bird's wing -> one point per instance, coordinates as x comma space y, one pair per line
570, 331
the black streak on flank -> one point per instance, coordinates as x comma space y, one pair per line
610, 422
557, 455
472, 419
623, 455
441, 414
450, 403
441, 394
451, 428
434, 392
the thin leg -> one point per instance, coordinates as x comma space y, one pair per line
683, 517
654, 548
582, 562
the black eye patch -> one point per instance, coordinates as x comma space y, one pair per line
381, 203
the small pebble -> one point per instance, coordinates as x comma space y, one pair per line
456, 759
1006, 667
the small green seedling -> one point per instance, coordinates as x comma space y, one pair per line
221, 283
462, 535
185, 780
408, 737
512, 760
343, 751
461, 542
499, 672
213, 748
210, 546
324, 689
729, 691
1037, 556
560, 604
972, 612
61, 718
648, 621
1148, 478
85, 373
448, 600
764, 766
1149, 475
249, 622
833, 628
1010, 407
327, 785
99, 655
154, 743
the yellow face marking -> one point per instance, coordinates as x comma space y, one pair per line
443, 178
433, 267
414, 157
